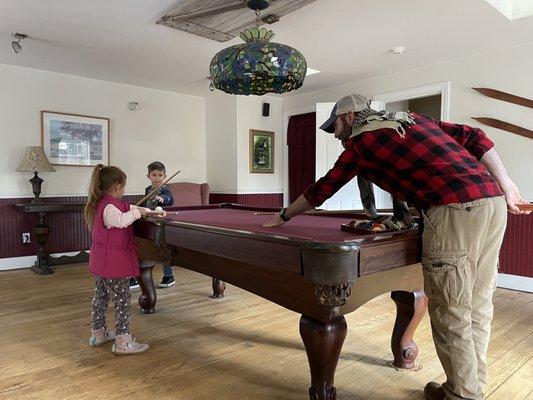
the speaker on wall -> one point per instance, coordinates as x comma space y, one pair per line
266, 109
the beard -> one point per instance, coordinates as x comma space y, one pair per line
345, 131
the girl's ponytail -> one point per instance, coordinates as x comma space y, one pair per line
95, 194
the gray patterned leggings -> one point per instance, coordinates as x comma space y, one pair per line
118, 290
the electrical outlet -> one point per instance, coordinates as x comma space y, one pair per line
26, 238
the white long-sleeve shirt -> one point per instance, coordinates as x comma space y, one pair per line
114, 218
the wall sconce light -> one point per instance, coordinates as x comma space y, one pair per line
132, 105
15, 44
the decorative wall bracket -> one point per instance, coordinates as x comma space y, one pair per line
509, 98
506, 126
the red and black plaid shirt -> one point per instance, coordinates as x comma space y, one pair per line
436, 163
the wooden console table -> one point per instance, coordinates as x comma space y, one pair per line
41, 231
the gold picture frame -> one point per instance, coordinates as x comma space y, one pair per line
261, 152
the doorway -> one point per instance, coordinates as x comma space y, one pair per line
430, 105
301, 143
432, 100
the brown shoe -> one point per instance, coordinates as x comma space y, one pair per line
434, 391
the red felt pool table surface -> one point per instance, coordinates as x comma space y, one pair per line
319, 227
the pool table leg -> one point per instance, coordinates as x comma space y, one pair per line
323, 344
148, 297
218, 288
410, 309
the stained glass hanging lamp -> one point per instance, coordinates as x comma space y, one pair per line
258, 66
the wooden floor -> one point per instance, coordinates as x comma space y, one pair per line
239, 347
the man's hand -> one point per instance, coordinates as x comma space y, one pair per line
513, 198
299, 206
276, 221
492, 161
159, 199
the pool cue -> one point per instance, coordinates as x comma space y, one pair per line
313, 212
156, 189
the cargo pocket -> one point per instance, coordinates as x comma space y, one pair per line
445, 277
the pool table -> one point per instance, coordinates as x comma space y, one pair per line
309, 265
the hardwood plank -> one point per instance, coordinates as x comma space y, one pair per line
519, 386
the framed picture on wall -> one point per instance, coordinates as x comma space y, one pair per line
77, 140
261, 152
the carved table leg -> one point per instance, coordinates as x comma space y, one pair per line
41, 230
410, 308
148, 297
218, 288
323, 344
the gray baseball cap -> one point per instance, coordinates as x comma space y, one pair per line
352, 102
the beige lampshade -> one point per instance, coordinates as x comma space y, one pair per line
35, 160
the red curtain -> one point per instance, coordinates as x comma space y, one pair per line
301, 139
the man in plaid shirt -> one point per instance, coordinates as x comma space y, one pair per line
455, 178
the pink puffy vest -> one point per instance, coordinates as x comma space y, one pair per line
113, 251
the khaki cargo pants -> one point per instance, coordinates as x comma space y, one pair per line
461, 243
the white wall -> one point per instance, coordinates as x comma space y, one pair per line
509, 70
221, 114
167, 126
249, 116
229, 120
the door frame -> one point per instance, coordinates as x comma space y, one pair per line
442, 88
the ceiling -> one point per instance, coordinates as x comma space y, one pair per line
348, 40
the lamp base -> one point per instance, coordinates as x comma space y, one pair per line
36, 183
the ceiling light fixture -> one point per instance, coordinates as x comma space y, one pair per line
15, 44
258, 66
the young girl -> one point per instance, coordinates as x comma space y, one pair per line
113, 257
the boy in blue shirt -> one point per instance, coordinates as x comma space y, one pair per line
163, 198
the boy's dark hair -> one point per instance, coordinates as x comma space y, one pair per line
156, 166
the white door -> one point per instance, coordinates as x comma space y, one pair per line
328, 150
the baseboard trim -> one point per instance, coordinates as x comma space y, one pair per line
26, 261
515, 282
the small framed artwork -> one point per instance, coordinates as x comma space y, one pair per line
72, 139
261, 152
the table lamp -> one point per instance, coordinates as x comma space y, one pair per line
35, 161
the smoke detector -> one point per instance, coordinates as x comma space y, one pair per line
398, 50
